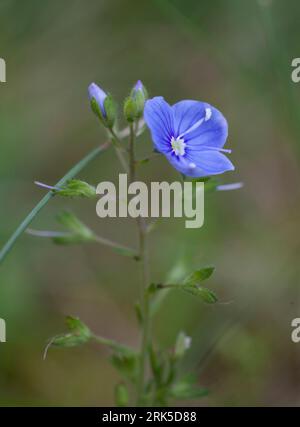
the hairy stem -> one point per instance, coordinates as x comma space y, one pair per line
29, 218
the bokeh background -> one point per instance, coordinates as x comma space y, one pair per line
235, 55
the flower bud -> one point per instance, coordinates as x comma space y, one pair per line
77, 188
102, 105
130, 109
134, 104
77, 231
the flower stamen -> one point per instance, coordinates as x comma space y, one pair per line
178, 146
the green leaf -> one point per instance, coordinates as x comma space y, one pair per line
190, 285
205, 294
77, 188
121, 395
198, 276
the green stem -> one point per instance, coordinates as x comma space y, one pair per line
69, 175
131, 154
114, 345
145, 312
142, 233
117, 247
119, 149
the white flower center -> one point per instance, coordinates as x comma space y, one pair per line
178, 145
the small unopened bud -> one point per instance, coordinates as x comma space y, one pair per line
78, 232
130, 109
140, 95
134, 104
103, 105
77, 188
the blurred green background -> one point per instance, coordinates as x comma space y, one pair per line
235, 55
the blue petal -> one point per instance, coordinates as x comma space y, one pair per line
99, 95
186, 114
204, 164
183, 165
212, 162
159, 118
209, 130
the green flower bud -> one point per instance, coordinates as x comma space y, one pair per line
140, 95
134, 104
111, 111
77, 188
130, 109
103, 105
78, 232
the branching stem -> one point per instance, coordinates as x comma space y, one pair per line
29, 218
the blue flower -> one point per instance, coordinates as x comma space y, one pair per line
191, 134
96, 93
